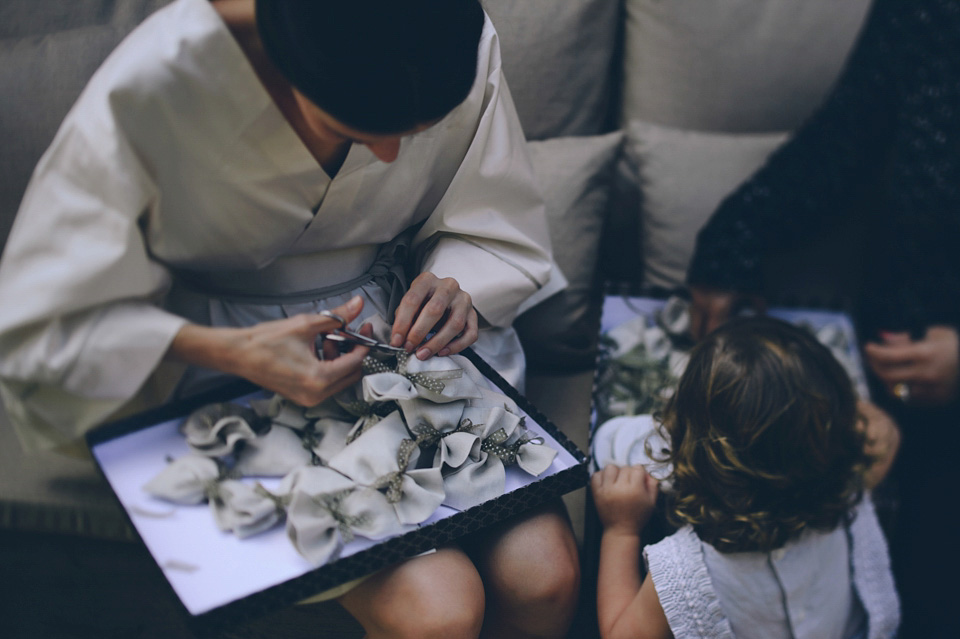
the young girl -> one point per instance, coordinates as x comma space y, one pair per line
768, 470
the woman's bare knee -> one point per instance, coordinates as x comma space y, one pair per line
532, 575
434, 595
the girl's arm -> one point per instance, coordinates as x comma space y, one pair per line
627, 606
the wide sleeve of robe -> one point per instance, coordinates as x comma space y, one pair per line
80, 330
489, 229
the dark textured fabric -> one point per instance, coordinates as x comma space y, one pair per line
890, 128
889, 132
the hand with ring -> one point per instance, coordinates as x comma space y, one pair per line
923, 372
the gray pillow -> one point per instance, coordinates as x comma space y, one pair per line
576, 175
683, 176
736, 65
558, 57
48, 51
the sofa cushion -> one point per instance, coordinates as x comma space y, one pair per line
48, 51
575, 174
737, 65
558, 57
683, 176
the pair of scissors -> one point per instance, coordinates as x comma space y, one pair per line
344, 336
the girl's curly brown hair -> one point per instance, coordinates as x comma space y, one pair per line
764, 437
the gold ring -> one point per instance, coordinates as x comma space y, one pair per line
902, 391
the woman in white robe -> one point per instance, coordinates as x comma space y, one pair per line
195, 208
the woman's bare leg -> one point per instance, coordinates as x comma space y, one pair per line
531, 571
436, 595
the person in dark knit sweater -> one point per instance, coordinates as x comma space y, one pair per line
889, 131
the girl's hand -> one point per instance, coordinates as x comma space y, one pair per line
435, 304
929, 366
624, 497
279, 355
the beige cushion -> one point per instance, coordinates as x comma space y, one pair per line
734, 65
683, 176
48, 51
557, 57
576, 177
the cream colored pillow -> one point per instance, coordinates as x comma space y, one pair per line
734, 65
683, 176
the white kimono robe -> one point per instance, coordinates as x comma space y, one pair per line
175, 157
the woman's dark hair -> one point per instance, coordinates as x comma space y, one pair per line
764, 437
379, 66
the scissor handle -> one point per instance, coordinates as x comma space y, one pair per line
334, 316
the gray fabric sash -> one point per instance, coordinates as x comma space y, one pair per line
386, 271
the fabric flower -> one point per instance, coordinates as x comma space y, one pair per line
440, 426
439, 379
282, 411
387, 386
501, 440
481, 476
523, 448
326, 510
328, 437
365, 413
274, 454
244, 509
215, 430
186, 480
384, 458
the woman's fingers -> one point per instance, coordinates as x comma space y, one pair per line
435, 305
408, 310
457, 330
330, 321
466, 337
894, 363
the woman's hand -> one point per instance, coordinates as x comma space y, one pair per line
435, 304
882, 441
930, 367
625, 497
279, 355
710, 307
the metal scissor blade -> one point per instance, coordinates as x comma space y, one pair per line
345, 336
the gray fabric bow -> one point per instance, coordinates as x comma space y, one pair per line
244, 509
384, 458
523, 448
365, 414
481, 476
187, 480
326, 510
215, 430
275, 453
502, 440
328, 437
440, 426
438, 379
282, 411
